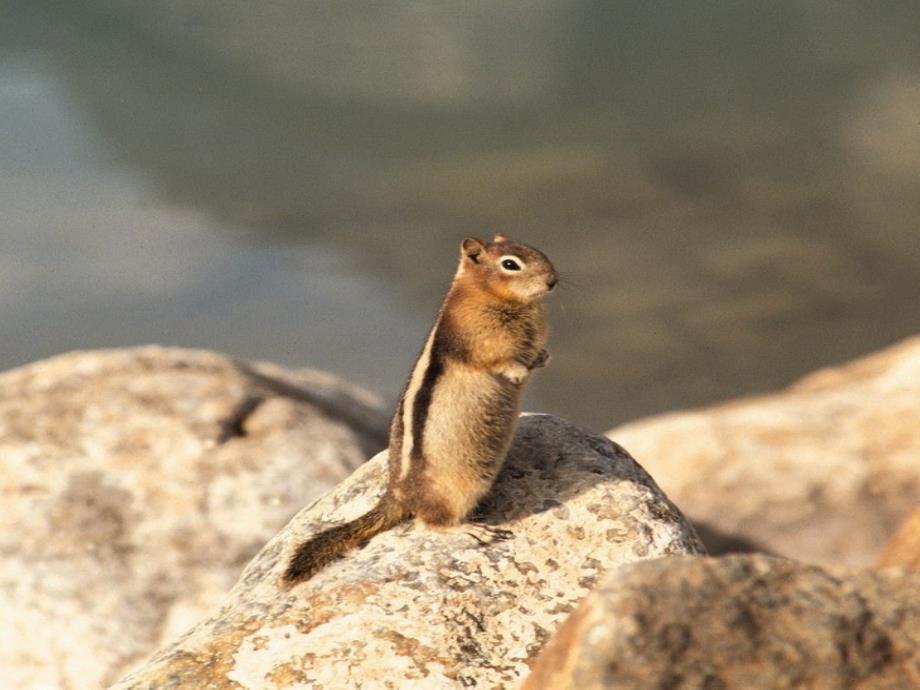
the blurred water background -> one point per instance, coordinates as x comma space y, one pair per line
732, 188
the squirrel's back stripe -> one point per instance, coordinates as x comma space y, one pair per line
422, 403
407, 404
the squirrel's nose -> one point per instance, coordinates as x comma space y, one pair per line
551, 283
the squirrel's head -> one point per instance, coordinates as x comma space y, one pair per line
510, 270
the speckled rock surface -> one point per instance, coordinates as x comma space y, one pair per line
903, 549
417, 608
823, 472
135, 486
751, 622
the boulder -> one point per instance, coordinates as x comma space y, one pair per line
823, 472
903, 549
419, 608
751, 621
135, 486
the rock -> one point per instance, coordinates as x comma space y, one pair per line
738, 622
135, 486
822, 472
903, 549
418, 608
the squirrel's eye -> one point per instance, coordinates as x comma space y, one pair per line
510, 265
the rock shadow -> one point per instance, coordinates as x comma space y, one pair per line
331, 397
551, 462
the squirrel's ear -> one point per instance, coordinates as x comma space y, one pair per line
471, 248
499, 238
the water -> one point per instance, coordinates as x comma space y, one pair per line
732, 189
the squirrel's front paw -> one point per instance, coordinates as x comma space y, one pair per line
541, 360
515, 373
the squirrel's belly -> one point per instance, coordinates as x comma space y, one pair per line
469, 426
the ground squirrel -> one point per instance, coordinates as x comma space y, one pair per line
458, 410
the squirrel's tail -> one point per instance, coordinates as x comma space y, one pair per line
325, 547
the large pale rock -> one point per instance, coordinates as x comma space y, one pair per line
823, 471
751, 622
135, 486
903, 549
418, 608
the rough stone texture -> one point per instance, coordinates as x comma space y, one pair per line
823, 472
417, 608
738, 622
903, 549
135, 486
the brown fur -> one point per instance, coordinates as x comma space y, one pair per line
458, 410
328, 545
